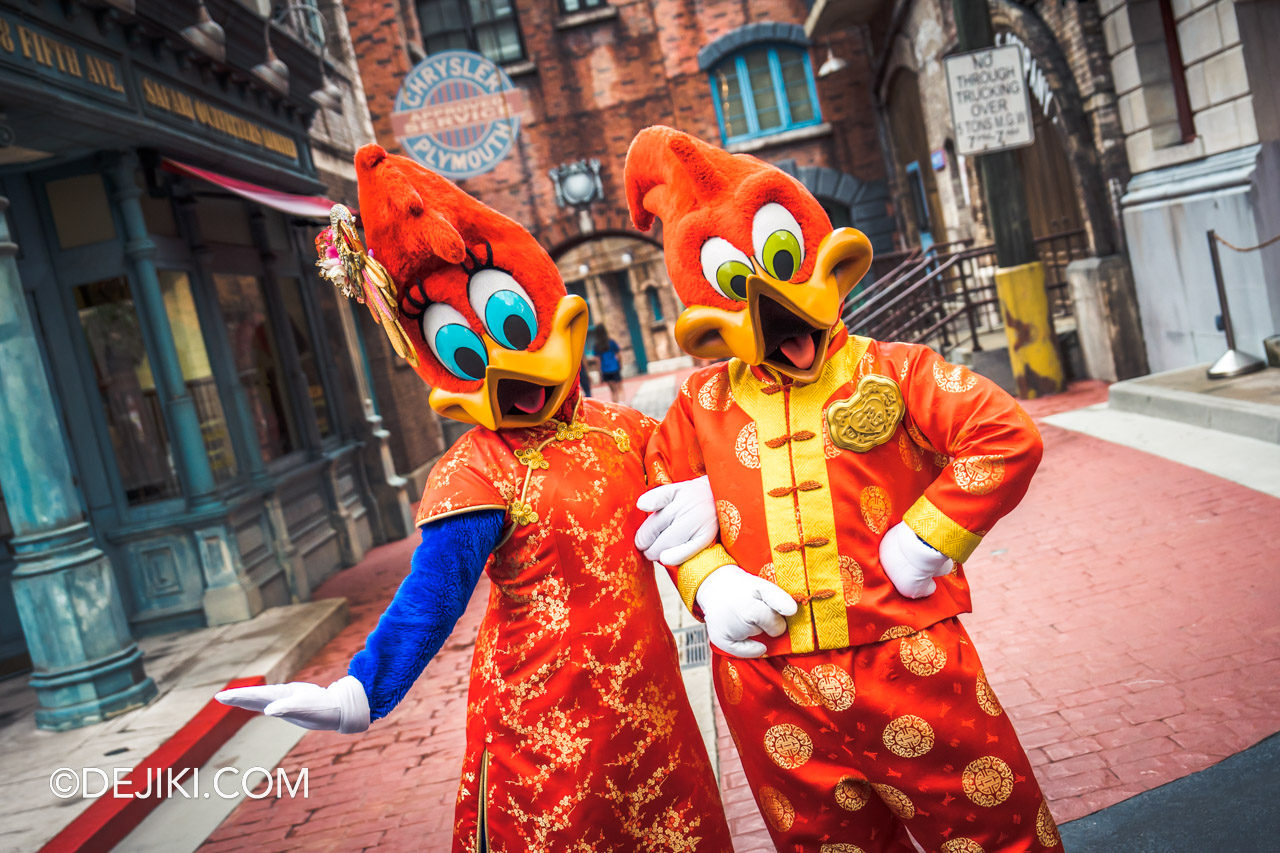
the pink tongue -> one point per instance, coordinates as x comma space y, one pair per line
800, 350
531, 401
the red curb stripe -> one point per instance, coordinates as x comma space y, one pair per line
109, 819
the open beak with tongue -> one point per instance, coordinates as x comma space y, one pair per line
785, 326
523, 388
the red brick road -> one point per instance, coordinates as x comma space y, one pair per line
1126, 612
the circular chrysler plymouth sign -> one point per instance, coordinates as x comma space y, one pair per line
457, 114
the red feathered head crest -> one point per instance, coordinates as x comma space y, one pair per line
480, 303
741, 236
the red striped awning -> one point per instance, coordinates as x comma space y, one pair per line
306, 206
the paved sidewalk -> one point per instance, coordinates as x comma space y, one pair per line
1126, 612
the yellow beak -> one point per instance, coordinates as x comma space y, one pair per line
554, 366
844, 256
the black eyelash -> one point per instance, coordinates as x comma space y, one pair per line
473, 264
414, 306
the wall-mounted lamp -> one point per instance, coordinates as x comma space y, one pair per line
583, 269
206, 35
627, 258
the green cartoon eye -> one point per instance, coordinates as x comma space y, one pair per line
782, 253
726, 268
731, 276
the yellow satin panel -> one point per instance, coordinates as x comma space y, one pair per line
694, 571
821, 565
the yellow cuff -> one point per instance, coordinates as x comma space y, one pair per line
933, 526
695, 570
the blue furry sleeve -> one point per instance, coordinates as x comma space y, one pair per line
429, 602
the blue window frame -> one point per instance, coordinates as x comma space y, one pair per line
764, 90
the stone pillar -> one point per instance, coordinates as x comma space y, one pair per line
229, 595
1107, 320
87, 667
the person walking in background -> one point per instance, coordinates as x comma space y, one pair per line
606, 351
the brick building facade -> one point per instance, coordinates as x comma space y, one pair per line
595, 73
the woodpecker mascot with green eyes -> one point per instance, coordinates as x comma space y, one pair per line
852, 477
579, 735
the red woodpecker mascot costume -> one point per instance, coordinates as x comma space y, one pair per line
579, 733
852, 478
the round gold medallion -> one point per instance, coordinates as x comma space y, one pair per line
777, 809
798, 687
840, 847
747, 447
851, 580
897, 631
696, 463
876, 509
987, 700
852, 794
987, 781
921, 655
767, 572
660, 475
899, 803
1046, 827
788, 745
908, 736
955, 380
833, 685
716, 395
978, 475
961, 845
730, 682
910, 453
730, 522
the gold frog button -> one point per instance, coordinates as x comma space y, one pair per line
869, 417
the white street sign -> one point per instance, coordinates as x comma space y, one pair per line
990, 106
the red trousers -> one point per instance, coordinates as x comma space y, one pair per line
846, 750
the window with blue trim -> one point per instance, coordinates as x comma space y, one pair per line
764, 90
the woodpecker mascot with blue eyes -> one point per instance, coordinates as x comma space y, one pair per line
579, 735
852, 478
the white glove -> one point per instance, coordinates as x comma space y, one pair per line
910, 562
341, 707
682, 521
737, 605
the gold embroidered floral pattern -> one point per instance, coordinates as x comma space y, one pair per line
908, 736
533, 458
956, 379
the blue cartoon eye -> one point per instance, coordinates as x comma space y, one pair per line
453, 342
504, 307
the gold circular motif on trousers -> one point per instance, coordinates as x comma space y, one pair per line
961, 845
897, 631
899, 803
876, 508
834, 686
730, 521
987, 700
799, 688
978, 475
851, 580
852, 794
788, 745
1046, 827
840, 847
908, 736
777, 809
730, 682
747, 447
921, 655
716, 396
987, 781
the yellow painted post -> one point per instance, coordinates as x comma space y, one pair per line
1033, 351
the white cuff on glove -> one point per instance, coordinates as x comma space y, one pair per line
910, 562
737, 605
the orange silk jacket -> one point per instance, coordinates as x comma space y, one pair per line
809, 477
